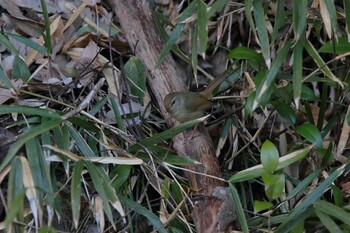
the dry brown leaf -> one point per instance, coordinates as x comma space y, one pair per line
11, 8
326, 19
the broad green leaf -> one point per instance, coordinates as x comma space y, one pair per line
30, 43
175, 35
286, 112
47, 35
299, 18
194, 52
258, 170
39, 169
239, 209
269, 156
166, 157
167, 134
35, 131
4, 79
298, 65
5, 42
338, 196
295, 216
49, 113
248, 8
15, 194
61, 135
103, 188
339, 47
202, 21
280, 20
158, 20
320, 63
347, 17
328, 222
252, 56
119, 175
16, 210
76, 191
261, 28
151, 217
135, 72
302, 186
310, 133
274, 185
217, 6
333, 210
80, 142
261, 205
271, 75
20, 69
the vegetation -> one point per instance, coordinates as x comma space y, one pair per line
83, 146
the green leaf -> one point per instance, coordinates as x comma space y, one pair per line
194, 52
49, 113
274, 185
248, 8
39, 169
15, 193
269, 156
135, 72
28, 42
299, 18
217, 6
320, 63
80, 142
302, 186
165, 156
328, 222
152, 218
239, 209
16, 207
167, 134
20, 69
202, 20
286, 112
258, 170
261, 205
158, 20
47, 35
311, 133
35, 131
261, 28
341, 46
255, 59
61, 136
4, 79
76, 191
333, 210
298, 65
295, 216
5, 42
280, 20
176, 33
119, 175
103, 188
347, 17
271, 75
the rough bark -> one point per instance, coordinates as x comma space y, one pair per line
135, 18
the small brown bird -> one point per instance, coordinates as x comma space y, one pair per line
186, 105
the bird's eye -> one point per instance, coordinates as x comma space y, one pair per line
173, 102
